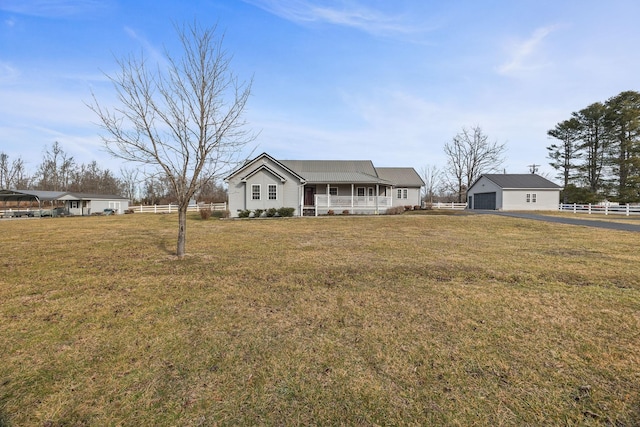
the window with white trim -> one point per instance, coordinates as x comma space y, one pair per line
255, 192
533, 197
528, 197
273, 192
402, 193
360, 191
333, 191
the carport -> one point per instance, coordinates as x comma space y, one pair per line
29, 198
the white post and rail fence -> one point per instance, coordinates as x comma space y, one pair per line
170, 208
605, 208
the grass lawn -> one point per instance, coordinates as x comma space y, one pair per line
391, 320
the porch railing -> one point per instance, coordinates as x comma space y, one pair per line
328, 201
325, 203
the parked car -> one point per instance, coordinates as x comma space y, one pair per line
59, 212
18, 214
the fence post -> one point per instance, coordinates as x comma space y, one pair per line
627, 209
574, 208
606, 209
589, 208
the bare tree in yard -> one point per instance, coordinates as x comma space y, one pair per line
432, 177
185, 122
469, 155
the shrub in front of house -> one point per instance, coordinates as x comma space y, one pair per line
330, 212
395, 210
258, 212
346, 212
286, 212
408, 207
205, 213
271, 212
244, 213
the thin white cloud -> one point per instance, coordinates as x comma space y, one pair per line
349, 14
524, 55
53, 8
155, 54
8, 73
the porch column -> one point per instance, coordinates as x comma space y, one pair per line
377, 197
301, 199
328, 197
352, 196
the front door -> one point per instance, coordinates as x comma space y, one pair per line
309, 196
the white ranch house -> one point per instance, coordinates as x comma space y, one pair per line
314, 187
513, 192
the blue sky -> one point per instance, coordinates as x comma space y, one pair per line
387, 81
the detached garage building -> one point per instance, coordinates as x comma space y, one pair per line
513, 192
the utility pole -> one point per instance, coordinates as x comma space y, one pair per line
533, 168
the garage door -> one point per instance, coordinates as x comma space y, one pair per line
484, 201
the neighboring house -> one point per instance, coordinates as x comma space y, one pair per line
513, 192
315, 187
71, 203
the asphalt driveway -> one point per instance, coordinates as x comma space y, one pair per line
571, 221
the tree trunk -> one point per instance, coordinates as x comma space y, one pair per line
182, 230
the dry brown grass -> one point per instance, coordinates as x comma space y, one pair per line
395, 320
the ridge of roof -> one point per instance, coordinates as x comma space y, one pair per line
524, 180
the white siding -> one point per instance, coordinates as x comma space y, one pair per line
516, 200
95, 206
240, 195
413, 197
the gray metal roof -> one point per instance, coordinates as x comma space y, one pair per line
301, 166
523, 180
401, 177
335, 171
341, 172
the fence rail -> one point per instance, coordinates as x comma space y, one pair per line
170, 208
441, 205
606, 209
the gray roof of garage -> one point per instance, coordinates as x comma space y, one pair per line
524, 180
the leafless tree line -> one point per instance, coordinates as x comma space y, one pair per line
58, 171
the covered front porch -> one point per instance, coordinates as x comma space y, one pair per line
349, 198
